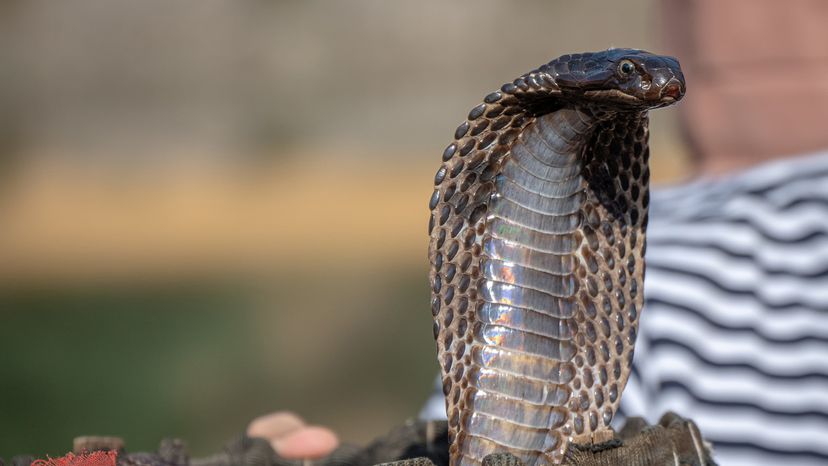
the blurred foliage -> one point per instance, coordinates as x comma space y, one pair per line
196, 362
115, 362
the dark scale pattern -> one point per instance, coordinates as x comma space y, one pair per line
471, 162
537, 243
612, 228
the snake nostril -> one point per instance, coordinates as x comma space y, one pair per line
673, 89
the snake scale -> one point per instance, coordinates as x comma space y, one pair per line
537, 251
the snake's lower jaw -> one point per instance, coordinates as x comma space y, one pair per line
671, 94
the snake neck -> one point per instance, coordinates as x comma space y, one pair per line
537, 255
549, 286
536, 259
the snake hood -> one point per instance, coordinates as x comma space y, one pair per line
537, 239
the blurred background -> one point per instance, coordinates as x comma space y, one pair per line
211, 209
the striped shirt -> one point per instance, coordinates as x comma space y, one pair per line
734, 333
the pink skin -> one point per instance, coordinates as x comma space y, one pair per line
730, 56
291, 437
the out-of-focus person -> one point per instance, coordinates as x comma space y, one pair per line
734, 331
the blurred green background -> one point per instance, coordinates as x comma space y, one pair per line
211, 209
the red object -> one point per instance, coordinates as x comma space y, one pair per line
96, 458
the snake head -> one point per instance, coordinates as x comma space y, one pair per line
625, 78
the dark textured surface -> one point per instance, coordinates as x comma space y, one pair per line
674, 439
537, 244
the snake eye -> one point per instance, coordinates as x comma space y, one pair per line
626, 68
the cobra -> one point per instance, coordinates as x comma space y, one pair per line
537, 242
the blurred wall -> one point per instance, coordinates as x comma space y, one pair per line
213, 209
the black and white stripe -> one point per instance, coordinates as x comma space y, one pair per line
734, 333
735, 329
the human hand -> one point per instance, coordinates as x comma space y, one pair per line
291, 437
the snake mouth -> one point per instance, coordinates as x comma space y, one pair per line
614, 95
672, 92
